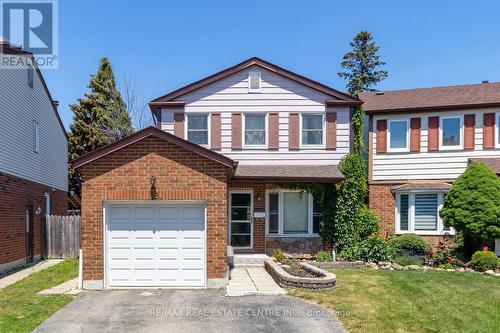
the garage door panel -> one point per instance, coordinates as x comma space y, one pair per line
156, 245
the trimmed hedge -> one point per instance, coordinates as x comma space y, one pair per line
410, 244
484, 260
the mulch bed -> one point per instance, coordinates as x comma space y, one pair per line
297, 271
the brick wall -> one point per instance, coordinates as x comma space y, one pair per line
382, 202
181, 175
15, 195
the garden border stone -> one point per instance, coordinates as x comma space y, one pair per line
338, 264
326, 280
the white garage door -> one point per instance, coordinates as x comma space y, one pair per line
155, 245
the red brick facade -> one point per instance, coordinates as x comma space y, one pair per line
17, 195
180, 175
383, 203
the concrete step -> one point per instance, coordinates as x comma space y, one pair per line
249, 260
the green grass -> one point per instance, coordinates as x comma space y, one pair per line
21, 309
412, 301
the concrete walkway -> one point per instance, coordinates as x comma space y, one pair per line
252, 281
69, 287
17, 276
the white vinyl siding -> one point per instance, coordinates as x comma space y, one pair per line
20, 106
418, 212
441, 164
278, 94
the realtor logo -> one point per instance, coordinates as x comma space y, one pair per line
33, 26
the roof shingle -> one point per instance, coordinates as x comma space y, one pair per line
289, 173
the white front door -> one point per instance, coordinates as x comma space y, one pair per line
240, 219
155, 244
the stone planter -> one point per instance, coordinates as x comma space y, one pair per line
325, 280
338, 264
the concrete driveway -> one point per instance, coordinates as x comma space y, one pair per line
187, 311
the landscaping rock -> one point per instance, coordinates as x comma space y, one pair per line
490, 272
470, 270
396, 266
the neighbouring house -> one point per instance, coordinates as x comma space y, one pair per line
160, 207
33, 157
420, 141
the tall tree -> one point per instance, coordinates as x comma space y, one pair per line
99, 118
361, 66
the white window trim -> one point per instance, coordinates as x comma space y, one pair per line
459, 147
398, 150
258, 90
266, 131
36, 137
244, 191
209, 125
307, 146
411, 214
310, 203
497, 128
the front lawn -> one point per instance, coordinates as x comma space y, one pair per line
412, 301
21, 309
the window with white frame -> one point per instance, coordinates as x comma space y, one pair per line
292, 213
255, 129
197, 128
36, 137
498, 130
398, 135
418, 212
312, 129
451, 132
254, 81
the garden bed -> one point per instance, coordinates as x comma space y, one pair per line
318, 279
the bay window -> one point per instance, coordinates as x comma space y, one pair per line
291, 213
197, 129
418, 212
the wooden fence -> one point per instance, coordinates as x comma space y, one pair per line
62, 236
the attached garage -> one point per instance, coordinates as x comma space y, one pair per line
155, 244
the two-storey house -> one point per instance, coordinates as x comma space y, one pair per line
33, 157
215, 172
420, 141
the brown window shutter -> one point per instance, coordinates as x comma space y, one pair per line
293, 131
331, 130
433, 134
215, 131
469, 125
274, 131
415, 124
236, 131
381, 136
488, 131
179, 125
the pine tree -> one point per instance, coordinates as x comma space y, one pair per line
361, 64
99, 118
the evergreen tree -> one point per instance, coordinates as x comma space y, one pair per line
361, 64
99, 118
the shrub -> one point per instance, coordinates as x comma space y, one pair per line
368, 223
407, 260
498, 263
484, 260
347, 254
323, 256
439, 258
446, 266
279, 255
373, 249
472, 205
410, 244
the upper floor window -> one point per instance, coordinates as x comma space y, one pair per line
312, 129
197, 128
498, 130
36, 137
254, 81
30, 76
398, 135
451, 132
255, 129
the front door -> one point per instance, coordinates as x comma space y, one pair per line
240, 219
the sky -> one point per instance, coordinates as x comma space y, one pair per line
164, 45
